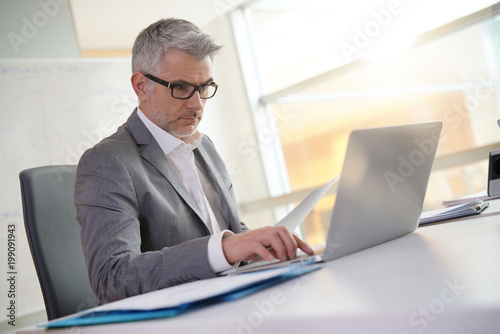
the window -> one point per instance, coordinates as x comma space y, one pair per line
318, 70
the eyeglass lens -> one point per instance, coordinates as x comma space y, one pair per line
185, 91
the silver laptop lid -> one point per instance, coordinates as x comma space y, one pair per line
382, 187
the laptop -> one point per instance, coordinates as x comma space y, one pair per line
380, 192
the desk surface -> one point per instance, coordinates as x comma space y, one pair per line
441, 279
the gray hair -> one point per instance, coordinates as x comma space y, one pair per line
153, 43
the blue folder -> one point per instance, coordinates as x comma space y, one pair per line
96, 317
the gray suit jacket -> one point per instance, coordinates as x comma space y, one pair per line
140, 229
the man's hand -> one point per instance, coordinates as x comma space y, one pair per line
268, 242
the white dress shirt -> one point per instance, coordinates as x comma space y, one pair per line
180, 155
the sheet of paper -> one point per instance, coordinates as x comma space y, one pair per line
189, 292
173, 301
299, 213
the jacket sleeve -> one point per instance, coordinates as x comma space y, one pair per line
109, 212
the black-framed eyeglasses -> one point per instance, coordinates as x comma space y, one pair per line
184, 91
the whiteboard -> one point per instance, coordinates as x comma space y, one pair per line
51, 111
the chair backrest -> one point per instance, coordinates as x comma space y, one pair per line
54, 238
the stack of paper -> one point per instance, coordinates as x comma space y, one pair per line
471, 208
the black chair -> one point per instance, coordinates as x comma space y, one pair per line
54, 238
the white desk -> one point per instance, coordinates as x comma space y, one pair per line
441, 279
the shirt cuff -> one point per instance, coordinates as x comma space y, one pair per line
216, 258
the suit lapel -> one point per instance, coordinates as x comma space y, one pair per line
154, 155
203, 158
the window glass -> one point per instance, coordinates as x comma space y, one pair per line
405, 73
295, 40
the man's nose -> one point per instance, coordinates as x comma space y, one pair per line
195, 101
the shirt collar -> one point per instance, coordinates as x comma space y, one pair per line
167, 142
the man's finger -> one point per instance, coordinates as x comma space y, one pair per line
303, 245
289, 242
278, 245
263, 252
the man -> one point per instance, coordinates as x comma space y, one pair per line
154, 200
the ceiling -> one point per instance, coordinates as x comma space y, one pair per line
114, 24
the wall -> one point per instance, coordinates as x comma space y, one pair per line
36, 125
37, 29
51, 111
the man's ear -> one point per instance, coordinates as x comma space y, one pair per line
140, 85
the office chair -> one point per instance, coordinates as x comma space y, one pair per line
54, 238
